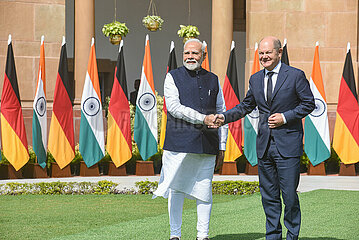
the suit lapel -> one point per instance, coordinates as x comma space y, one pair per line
282, 77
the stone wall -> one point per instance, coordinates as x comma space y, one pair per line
27, 21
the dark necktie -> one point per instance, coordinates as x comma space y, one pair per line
269, 87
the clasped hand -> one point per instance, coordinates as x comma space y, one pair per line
214, 120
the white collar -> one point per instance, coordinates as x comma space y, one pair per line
275, 70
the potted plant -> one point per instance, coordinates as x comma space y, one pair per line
54, 169
4, 163
188, 32
7, 171
103, 164
152, 22
75, 163
28, 169
332, 164
304, 163
115, 31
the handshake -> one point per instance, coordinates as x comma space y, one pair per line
214, 120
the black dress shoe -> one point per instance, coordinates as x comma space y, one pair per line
174, 238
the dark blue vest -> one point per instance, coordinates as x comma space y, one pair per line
197, 90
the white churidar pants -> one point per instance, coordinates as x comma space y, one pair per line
187, 175
175, 207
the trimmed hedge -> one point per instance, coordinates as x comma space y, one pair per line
63, 188
218, 187
108, 187
235, 187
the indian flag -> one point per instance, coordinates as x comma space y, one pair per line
39, 117
92, 139
145, 129
316, 133
205, 63
251, 122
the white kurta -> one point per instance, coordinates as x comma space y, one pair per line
189, 173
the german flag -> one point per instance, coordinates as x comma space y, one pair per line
231, 97
172, 64
285, 58
119, 142
61, 136
13, 133
346, 130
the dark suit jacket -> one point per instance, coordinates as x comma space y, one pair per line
133, 97
291, 96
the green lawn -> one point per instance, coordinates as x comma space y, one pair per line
326, 215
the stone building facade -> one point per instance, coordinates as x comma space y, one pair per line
303, 22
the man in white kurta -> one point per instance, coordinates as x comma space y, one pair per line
188, 168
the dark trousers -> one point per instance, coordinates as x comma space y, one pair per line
279, 175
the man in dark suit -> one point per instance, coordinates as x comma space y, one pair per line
133, 94
283, 97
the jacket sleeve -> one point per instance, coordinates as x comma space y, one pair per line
245, 107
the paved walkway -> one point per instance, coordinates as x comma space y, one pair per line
307, 183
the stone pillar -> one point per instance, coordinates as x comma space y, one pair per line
84, 31
222, 35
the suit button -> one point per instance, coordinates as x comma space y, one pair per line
200, 87
201, 98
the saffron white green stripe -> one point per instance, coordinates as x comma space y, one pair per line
317, 140
145, 128
91, 140
39, 120
250, 136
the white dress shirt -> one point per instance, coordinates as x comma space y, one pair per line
274, 78
274, 81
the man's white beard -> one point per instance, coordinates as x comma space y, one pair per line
192, 66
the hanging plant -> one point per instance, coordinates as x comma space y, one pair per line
152, 22
188, 32
115, 31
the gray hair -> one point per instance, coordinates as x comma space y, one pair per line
203, 48
277, 44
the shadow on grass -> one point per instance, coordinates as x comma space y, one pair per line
320, 238
242, 236
254, 236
